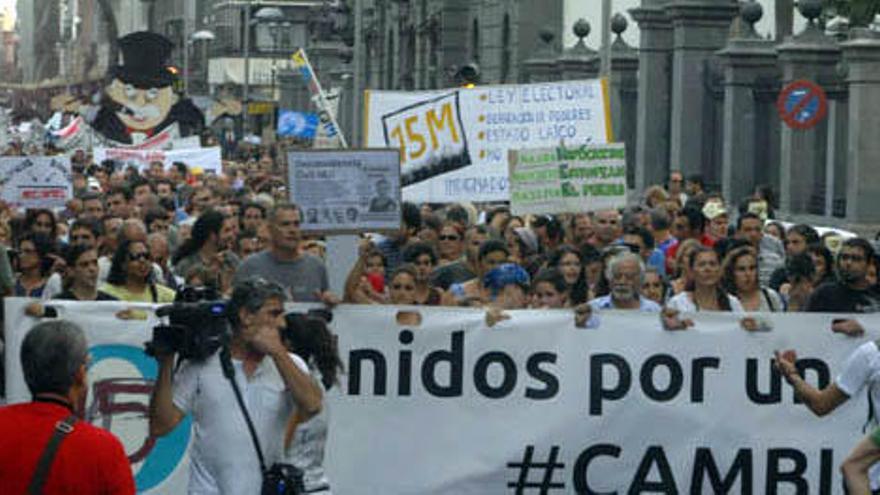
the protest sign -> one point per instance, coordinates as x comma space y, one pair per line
35, 181
197, 159
455, 142
531, 405
562, 180
346, 191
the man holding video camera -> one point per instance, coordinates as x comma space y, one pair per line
273, 384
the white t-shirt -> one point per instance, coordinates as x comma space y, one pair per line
862, 368
223, 459
307, 449
683, 303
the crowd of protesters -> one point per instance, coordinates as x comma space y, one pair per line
141, 235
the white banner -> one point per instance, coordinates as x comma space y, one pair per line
532, 405
455, 142
536, 406
35, 181
197, 159
568, 180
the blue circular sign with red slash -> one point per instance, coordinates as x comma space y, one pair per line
802, 104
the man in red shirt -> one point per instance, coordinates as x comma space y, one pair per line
54, 360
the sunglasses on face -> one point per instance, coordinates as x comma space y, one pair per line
138, 256
448, 238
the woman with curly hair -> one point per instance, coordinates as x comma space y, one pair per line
740, 279
568, 261
36, 255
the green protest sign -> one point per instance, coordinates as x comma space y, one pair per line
559, 180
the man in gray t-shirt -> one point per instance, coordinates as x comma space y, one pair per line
302, 275
304, 278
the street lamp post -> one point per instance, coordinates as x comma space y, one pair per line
246, 52
203, 37
272, 17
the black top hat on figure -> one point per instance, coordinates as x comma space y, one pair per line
144, 60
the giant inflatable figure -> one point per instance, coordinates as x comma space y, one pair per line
140, 100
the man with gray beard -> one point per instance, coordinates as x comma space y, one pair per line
625, 273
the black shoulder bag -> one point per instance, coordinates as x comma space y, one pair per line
280, 479
41, 473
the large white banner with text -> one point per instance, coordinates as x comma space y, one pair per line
454, 142
197, 159
536, 406
532, 405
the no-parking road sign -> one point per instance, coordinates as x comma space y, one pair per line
802, 104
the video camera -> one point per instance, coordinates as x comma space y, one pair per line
198, 325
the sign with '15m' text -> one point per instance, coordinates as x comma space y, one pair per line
454, 142
560, 180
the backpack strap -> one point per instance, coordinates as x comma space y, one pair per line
770, 302
41, 473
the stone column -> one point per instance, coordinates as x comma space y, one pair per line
655, 66
624, 95
542, 67
747, 60
812, 56
700, 28
862, 56
579, 62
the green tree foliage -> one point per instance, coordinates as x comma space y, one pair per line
859, 12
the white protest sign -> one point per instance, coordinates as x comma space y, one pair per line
197, 159
346, 191
532, 405
35, 181
568, 180
455, 142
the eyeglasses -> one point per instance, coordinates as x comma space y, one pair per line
402, 287
138, 256
448, 238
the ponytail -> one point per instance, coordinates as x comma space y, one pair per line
311, 340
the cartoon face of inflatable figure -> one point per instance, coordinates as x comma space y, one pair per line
141, 109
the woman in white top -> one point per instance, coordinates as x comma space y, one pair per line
740, 279
704, 292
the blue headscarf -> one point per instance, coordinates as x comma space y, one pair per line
504, 275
